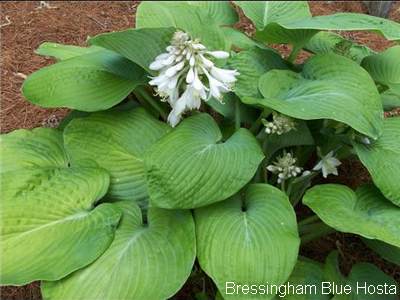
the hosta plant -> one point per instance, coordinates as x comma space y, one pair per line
191, 146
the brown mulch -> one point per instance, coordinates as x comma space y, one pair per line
71, 23
65, 22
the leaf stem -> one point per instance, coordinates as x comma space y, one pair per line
256, 125
308, 220
293, 54
309, 232
283, 186
143, 93
135, 97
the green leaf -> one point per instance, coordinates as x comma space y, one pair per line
384, 67
141, 46
306, 274
145, 261
274, 33
326, 42
248, 239
221, 12
194, 19
50, 226
117, 142
299, 31
267, 15
190, 167
390, 99
90, 82
347, 22
364, 212
382, 159
63, 52
239, 39
37, 148
262, 13
362, 274
329, 87
251, 64
386, 251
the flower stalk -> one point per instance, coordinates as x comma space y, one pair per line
144, 95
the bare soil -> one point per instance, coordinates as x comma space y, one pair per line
25, 25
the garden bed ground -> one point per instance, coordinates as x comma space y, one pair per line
25, 25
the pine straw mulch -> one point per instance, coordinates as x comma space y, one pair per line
25, 25
31, 25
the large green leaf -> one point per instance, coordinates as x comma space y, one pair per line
194, 19
117, 141
307, 276
267, 15
361, 274
50, 227
248, 239
382, 159
62, 52
329, 87
37, 148
325, 42
263, 13
138, 45
299, 31
251, 64
191, 167
347, 22
90, 82
364, 212
221, 12
239, 39
385, 67
386, 251
145, 261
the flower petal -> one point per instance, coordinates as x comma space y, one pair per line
218, 54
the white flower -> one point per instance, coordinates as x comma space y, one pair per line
280, 124
216, 87
328, 165
186, 76
218, 54
224, 75
285, 167
190, 99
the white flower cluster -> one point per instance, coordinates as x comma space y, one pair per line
327, 165
285, 167
186, 76
280, 124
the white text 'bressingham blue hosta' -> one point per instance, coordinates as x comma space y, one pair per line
187, 75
